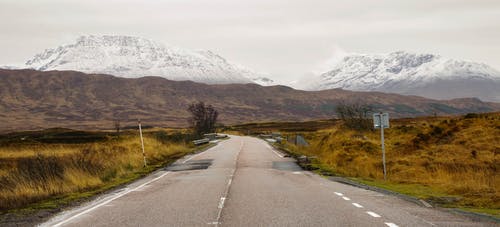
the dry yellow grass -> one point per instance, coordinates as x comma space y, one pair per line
34, 173
456, 158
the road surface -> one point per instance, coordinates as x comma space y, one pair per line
244, 182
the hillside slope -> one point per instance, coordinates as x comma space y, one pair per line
32, 99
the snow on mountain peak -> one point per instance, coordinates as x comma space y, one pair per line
409, 73
133, 57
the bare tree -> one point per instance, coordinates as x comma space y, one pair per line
203, 118
355, 115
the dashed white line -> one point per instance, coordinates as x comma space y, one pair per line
391, 224
338, 193
357, 205
346, 198
221, 202
373, 214
226, 192
297, 172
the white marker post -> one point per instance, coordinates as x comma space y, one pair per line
142, 143
381, 120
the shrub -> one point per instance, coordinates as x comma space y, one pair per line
355, 116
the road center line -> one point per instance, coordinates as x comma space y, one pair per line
221, 202
346, 198
373, 214
226, 192
391, 224
357, 205
338, 193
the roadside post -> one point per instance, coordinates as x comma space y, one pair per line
142, 142
381, 120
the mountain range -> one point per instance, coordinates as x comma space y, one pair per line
31, 99
400, 72
133, 57
426, 75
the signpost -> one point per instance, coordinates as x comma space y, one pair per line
142, 143
381, 120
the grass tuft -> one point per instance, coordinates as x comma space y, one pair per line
45, 175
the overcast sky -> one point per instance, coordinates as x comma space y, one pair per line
286, 38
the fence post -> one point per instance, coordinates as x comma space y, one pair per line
142, 143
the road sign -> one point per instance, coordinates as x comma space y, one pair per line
381, 121
381, 118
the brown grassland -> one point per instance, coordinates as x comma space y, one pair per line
47, 169
449, 161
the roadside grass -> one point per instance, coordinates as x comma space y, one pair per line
37, 175
448, 161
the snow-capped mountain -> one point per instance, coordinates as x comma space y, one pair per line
133, 57
427, 75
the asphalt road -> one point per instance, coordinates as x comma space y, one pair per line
244, 182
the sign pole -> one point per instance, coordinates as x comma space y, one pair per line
383, 145
142, 143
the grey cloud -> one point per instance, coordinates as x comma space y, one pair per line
287, 38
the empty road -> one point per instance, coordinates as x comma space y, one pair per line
243, 182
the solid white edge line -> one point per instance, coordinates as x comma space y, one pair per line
357, 205
279, 155
108, 201
275, 152
346, 198
373, 214
194, 156
391, 224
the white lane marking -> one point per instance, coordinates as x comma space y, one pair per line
346, 198
391, 224
278, 154
338, 193
226, 192
426, 204
221, 202
126, 191
297, 172
373, 214
193, 156
357, 205
272, 149
196, 155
